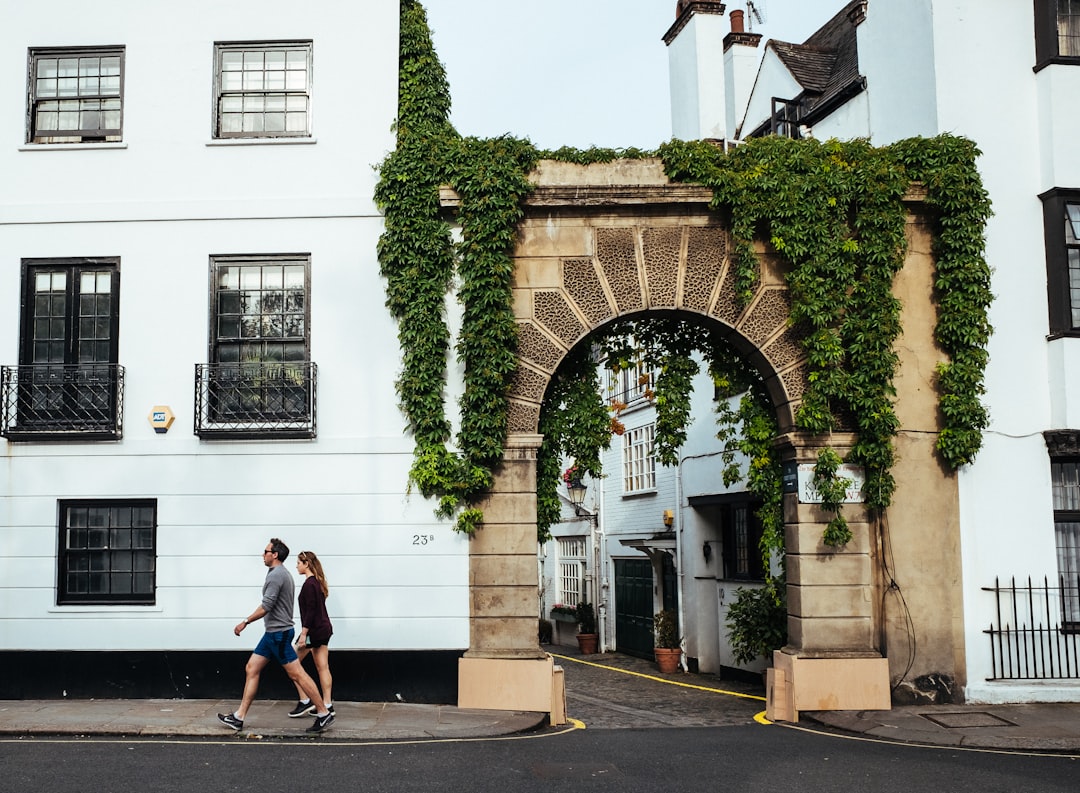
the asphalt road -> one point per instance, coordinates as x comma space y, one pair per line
739, 758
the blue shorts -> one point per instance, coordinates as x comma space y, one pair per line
277, 645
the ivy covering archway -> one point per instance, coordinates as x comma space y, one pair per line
833, 210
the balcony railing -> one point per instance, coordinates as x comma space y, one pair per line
1037, 632
266, 400
62, 401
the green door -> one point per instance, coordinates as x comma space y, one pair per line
634, 607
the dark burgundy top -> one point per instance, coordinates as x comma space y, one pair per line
313, 614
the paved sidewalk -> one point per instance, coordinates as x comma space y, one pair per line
605, 691
267, 719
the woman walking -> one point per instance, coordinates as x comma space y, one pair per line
315, 630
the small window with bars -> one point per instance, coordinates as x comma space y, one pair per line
76, 95
571, 570
639, 460
262, 90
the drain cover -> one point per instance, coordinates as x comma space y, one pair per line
957, 721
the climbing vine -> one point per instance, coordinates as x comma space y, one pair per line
834, 211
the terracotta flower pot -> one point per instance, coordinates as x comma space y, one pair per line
667, 658
588, 643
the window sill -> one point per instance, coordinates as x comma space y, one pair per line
262, 142
635, 493
71, 146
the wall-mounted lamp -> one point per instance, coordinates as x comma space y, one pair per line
706, 549
1072, 212
669, 518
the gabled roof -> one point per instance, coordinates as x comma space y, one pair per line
826, 65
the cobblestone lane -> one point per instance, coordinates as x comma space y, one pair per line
615, 691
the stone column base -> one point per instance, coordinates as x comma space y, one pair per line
795, 683
534, 684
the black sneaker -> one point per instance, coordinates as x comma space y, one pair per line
230, 720
331, 709
302, 709
321, 723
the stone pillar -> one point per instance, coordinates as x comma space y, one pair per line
504, 667
832, 660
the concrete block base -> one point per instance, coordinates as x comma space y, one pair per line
795, 683
511, 684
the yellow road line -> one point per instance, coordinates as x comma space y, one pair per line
661, 679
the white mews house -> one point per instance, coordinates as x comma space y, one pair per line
196, 356
1006, 75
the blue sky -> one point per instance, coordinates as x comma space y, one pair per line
576, 72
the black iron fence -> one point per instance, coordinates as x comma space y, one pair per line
1036, 635
255, 399
60, 401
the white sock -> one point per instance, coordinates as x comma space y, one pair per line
306, 701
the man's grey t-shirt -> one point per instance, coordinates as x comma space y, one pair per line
277, 599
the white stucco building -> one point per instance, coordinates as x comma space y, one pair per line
196, 352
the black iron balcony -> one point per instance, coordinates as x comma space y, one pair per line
265, 400
62, 402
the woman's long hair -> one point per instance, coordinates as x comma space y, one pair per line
315, 566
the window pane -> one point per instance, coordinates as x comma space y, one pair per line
112, 571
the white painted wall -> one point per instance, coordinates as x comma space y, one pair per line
164, 202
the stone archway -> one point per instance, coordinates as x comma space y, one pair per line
603, 241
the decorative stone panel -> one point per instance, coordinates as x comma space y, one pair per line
662, 249
551, 309
537, 348
616, 252
766, 315
727, 307
794, 381
787, 348
522, 417
528, 384
706, 253
586, 290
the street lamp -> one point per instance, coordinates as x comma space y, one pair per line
576, 490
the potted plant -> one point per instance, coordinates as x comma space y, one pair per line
588, 640
666, 647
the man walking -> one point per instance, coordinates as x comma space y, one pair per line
277, 641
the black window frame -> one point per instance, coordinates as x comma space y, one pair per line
1047, 49
1059, 301
1070, 579
221, 94
110, 560
91, 135
741, 555
68, 384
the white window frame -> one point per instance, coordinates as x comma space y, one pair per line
571, 551
639, 459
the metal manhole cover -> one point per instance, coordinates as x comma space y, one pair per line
957, 721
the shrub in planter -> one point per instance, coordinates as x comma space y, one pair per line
586, 618
757, 622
